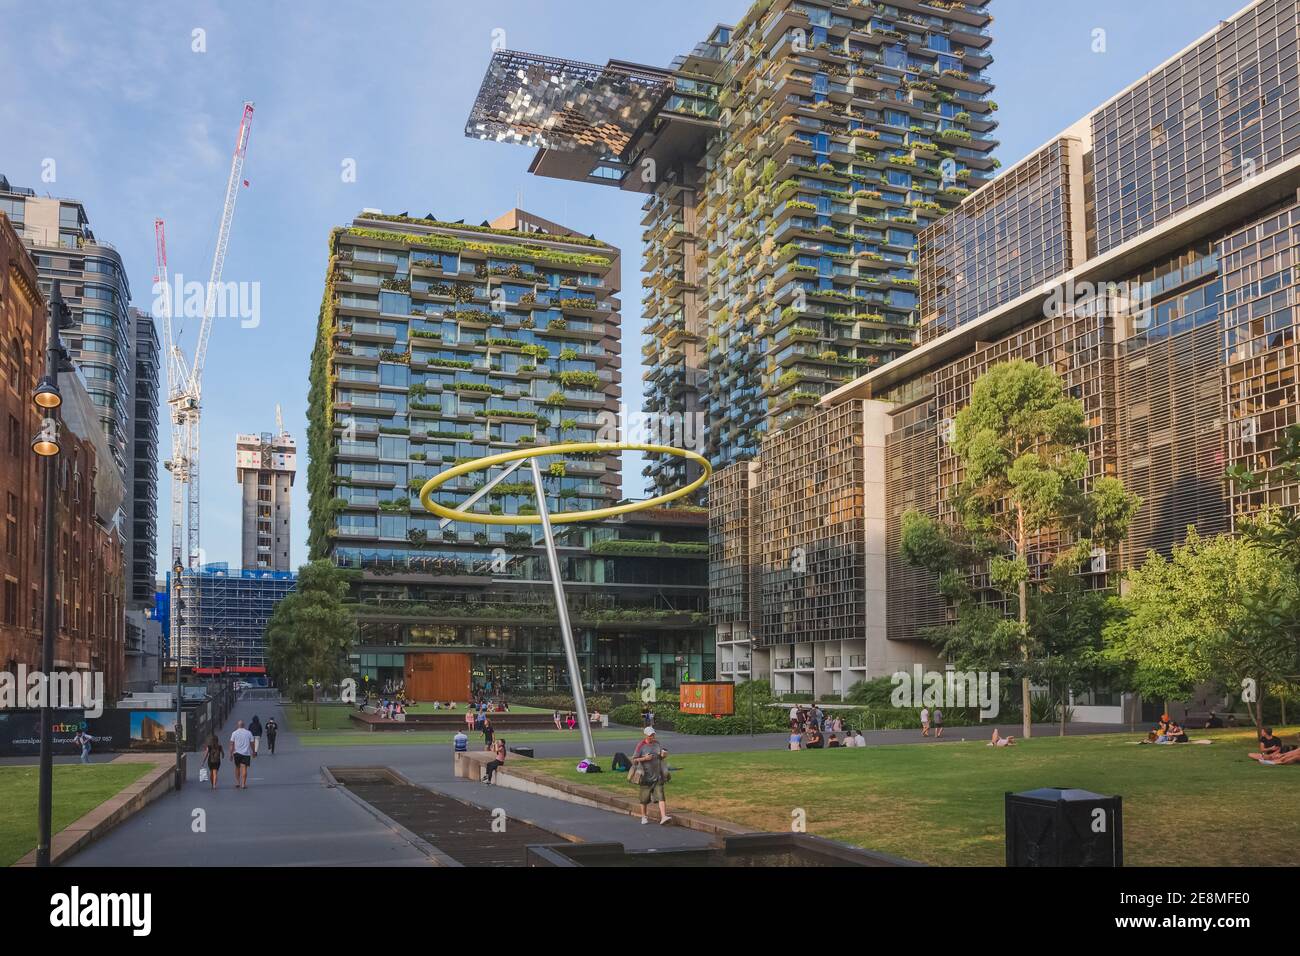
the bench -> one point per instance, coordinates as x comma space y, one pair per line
470, 764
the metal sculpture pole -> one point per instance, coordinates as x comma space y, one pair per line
562, 611
512, 460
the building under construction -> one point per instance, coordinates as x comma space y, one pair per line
226, 631
264, 467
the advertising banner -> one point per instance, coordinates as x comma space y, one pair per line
115, 730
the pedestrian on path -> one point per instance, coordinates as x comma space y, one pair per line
488, 733
650, 755
255, 728
272, 728
82, 740
938, 723
461, 740
241, 752
212, 754
925, 721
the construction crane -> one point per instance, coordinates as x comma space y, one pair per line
185, 399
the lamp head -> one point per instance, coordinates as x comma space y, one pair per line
46, 443
47, 394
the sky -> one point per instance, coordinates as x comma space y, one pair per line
138, 104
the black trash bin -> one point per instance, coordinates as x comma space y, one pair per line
1058, 826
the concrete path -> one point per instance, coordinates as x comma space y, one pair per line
286, 817
289, 817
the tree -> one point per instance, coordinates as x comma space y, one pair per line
1019, 445
1067, 623
1277, 531
1207, 613
311, 632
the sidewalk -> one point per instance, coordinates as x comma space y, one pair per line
286, 817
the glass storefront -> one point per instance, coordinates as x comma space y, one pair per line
525, 657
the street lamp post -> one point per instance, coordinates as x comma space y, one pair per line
175, 623
47, 400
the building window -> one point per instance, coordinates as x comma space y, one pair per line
11, 524
11, 602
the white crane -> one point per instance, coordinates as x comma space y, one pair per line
184, 398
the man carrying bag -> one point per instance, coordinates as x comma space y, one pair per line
650, 773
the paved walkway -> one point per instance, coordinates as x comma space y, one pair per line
289, 817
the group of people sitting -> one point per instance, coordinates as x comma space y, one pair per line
568, 720
391, 709
1272, 752
1166, 731
813, 729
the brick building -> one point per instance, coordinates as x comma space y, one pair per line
89, 540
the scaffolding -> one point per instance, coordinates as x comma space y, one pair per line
224, 612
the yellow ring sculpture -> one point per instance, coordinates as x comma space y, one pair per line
560, 517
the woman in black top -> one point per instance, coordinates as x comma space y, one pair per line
212, 753
255, 728
488, 733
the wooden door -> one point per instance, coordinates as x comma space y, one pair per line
437, 676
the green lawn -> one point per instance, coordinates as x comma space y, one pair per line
385, 738
77, 790
1184, 805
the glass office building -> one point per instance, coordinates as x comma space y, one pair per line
1147, 254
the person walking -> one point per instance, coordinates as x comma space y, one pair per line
461, 741
82, 740
212, 754
651, 756
272, 728
241, 752
488, 733
925, 721
255, 728
938, 723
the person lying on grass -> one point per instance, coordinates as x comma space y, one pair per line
1277, 760
997, 740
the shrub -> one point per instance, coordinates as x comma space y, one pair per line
598, 702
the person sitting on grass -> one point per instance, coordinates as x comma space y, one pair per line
1173, 734
813, 738
997, 740
796, 739
1271, 746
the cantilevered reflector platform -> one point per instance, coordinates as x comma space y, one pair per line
558, 104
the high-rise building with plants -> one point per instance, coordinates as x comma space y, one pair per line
789, 163
441, 343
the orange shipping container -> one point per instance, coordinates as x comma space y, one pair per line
715, 698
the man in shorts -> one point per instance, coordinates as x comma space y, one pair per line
241, 752
650, 755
